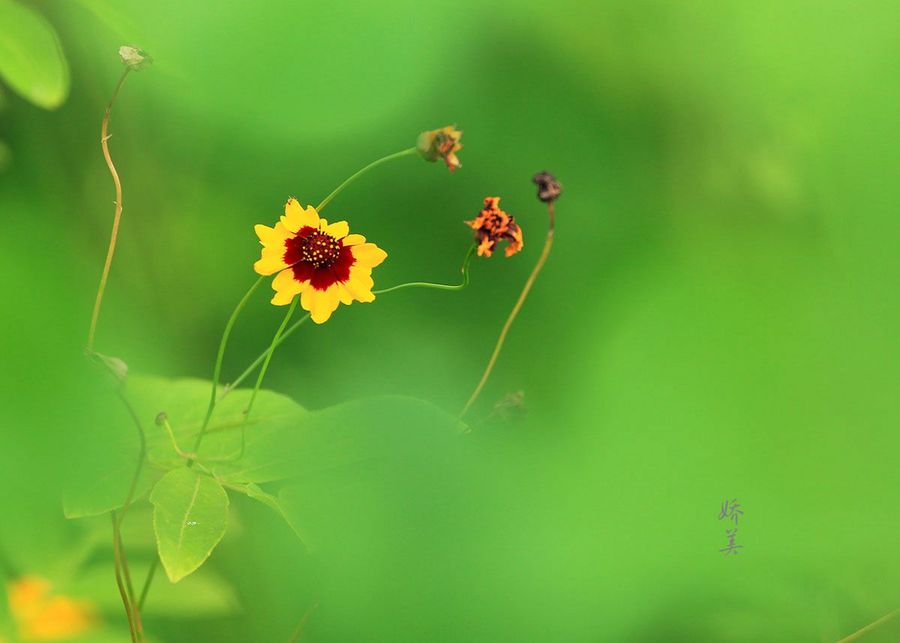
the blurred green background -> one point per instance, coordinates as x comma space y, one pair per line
718, 318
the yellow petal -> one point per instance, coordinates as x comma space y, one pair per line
338, 230
272, 258
286, 287
271, 262
321, 303
295, 217
345, 295
360, 284
353, 240
368, 254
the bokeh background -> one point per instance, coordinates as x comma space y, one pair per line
718, 319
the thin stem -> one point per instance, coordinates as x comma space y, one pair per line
259, 380
871, 626
121, 561
353, 177
150, 574
135, 612
426, 284
265, 366
414, 284
298, 632
171, 433
548, 244
220, 356
129, 498
104, 137
260, 358
117, 558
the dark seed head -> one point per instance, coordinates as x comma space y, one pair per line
549, 188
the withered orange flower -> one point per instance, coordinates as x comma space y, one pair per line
493, 225
441, 143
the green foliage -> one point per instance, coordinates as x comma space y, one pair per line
189, 518
31, 57
92, 495
717, 317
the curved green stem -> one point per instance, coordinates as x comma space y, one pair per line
353, 177
217, 371
428, 284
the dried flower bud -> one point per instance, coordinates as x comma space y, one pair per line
134, 58
493, 225
441, 144
161, 418
549, 188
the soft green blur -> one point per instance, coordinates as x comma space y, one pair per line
718, 318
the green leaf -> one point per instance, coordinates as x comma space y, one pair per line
189, 519
102, 486
106, 457
273, 426
31, 58
106, 490
254, 491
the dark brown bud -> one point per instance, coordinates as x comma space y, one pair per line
549, 188
161, 418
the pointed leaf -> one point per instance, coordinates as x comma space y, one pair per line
189, 518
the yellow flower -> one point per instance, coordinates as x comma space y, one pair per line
42, 617
441, 144
321, 262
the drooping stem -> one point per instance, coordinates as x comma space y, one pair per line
548, 244
104, 138
858, 634
356, 175
220, 356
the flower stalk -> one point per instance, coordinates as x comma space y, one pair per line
359, 173
548, 244
111, 249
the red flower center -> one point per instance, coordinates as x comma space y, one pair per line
317, 248
318, 257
